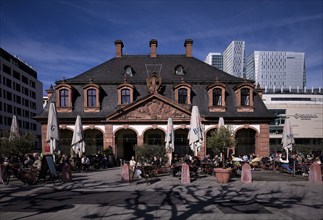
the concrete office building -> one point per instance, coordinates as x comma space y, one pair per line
215, 59
277, 69
234, 59
304, 110
20, 94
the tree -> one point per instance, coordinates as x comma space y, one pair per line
17, 145
220, 140
149, 151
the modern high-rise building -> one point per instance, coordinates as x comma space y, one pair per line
234, 58
20, 94
277, 69
215, 59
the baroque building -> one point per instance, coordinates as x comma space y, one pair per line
127, 100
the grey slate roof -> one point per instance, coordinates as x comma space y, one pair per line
109, 75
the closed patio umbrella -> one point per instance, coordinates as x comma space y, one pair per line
169, 140
52, 135
78, 143
288, 138
195, 134
14, 129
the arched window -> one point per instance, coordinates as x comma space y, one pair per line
125, 96
217, 97
245, 97
182, 96
63, 98
183, 93
91, 98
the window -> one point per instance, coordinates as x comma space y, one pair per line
125, 96
183, 93
91, 94
6, 69
24, 79
217, 97
182, 96
179, 70
245, 97
16, 75
63, 98
128, 71
91, 98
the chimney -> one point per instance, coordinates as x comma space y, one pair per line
119, 46
153, 43
188, 47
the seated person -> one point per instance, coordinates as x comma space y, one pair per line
195, 164
155, 161
284, 163
86, 162
175, 167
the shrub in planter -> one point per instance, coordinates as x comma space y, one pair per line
220, 141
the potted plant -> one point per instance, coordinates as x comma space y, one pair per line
219, 141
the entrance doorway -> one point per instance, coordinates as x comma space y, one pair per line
181, 142
126, 140
245, 142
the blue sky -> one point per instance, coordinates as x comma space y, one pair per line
65, 38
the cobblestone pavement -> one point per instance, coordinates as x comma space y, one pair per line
102, 195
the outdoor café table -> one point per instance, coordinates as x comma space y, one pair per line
177, 167
148, 171
207, 167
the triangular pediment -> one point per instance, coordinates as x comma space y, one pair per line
153, 107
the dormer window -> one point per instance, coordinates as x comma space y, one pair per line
128, 71
179, 70
64, 98
91, 98
183, 93
244, 97
125, 94
217, 99
182, 96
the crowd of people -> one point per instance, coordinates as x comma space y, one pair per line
294, 163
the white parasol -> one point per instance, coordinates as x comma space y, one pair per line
78, 143
221, 122
195, 134
52, 135
288, 139
169, 140
14, 129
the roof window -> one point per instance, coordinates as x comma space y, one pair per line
179, 70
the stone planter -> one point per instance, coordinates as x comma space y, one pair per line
222, 175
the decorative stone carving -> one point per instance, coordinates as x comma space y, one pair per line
153, 83
155, 110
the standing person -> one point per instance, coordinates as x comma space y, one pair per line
133, 168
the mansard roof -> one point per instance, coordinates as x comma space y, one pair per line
195, 71
110, 74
